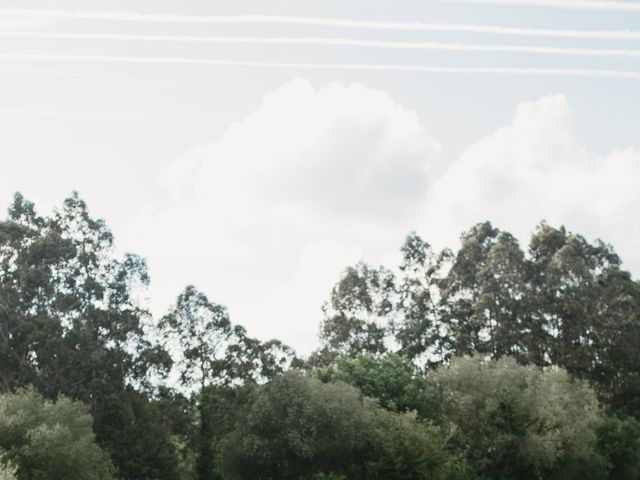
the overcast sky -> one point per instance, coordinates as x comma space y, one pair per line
256, 157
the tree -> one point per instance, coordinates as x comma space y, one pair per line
138, 440
296, 428
590, 309
405, 448
50, 440
565, 302
178, 413
300, 428
199, 332
619, 443
213, 356
200, 335
390, 379
518, 422
485, 295
70, 321
356, 318
7, 471
418, 326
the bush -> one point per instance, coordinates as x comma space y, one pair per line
7, 471
50, 440
391, 379
300, 427
619, 443
518, 422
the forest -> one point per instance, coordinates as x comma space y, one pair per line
489, 362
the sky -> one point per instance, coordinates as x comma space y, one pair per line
255, 149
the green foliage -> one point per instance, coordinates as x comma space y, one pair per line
178, 414
212, 356
7, 471
564, 302
484, 295
390, 379
404, 448
72, 329
202, 333
590, 308
619, 443
417, 324
301, 428
518, 422
70, 323
50, 440
296, 428
68, 307
132, 430
209, 350
220, 409
355, 320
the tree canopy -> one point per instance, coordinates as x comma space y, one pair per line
48, 440
486, 362
299, 427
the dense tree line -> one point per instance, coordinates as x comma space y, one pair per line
565, 302
489, 362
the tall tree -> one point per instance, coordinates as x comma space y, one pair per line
70, 322
590, 309
212, 356
201, 334
418, 326
357, 316
471, 324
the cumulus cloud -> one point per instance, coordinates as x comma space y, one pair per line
329, 154
535, 169
265, 217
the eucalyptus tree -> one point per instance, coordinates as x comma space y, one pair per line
418, 326
469, 321
357, 317
212, 358
589, 308
71, 322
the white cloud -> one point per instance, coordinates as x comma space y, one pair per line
264, 218
291, 309
305, 156
535, 169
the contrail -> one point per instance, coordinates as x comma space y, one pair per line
328, 41
22, 112
598, 5
325, 22
570, 72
